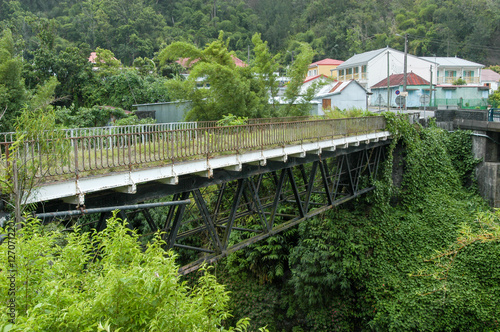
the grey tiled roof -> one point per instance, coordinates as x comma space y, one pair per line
362, 58
451, 61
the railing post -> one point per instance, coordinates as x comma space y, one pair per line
207, 141
76, 158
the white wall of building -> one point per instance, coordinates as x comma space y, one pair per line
377, 67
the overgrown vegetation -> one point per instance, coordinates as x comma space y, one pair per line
104, 281
422, 256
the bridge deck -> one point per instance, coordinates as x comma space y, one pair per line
119, 159
127, 181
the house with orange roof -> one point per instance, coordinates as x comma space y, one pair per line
324, 67
415, 86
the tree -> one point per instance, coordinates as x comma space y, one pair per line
104, 281
242, 91
106, 62
265, 66
297, 72
232, 89
34, 127
12, 90
494, 98
495, 68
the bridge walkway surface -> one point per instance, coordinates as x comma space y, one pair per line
221, 188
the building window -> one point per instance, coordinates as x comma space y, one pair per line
450, 73
468, 73
363, 69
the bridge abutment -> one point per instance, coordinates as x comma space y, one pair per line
485, 146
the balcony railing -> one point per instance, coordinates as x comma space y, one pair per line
450, 80
356, 76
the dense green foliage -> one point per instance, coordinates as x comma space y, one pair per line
336, 29
216, 86
494, 99
43, 39
423, 256
105, 281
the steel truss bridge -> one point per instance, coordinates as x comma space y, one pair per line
219, 189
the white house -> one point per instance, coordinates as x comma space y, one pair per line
329, 94
369, 68
449, 69
490, 79
343, 95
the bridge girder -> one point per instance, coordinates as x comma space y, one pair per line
235, 209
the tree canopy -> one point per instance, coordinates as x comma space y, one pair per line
334, 29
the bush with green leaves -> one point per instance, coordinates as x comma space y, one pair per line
105, 281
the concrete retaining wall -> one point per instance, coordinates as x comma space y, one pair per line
489, 186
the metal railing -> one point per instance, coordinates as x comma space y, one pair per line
95, 152
494, 114
462, 103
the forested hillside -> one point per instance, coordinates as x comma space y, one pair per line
335, 28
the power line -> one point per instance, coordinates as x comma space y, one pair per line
455, 43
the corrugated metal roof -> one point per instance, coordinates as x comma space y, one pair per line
362, 58
451, 61
310, 78
398, 79
338, 87
335, 88
489, 75
326, 62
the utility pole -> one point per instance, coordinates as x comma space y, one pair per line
405, 67
388, 83
430, 90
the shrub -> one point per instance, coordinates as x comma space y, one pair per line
103, 280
